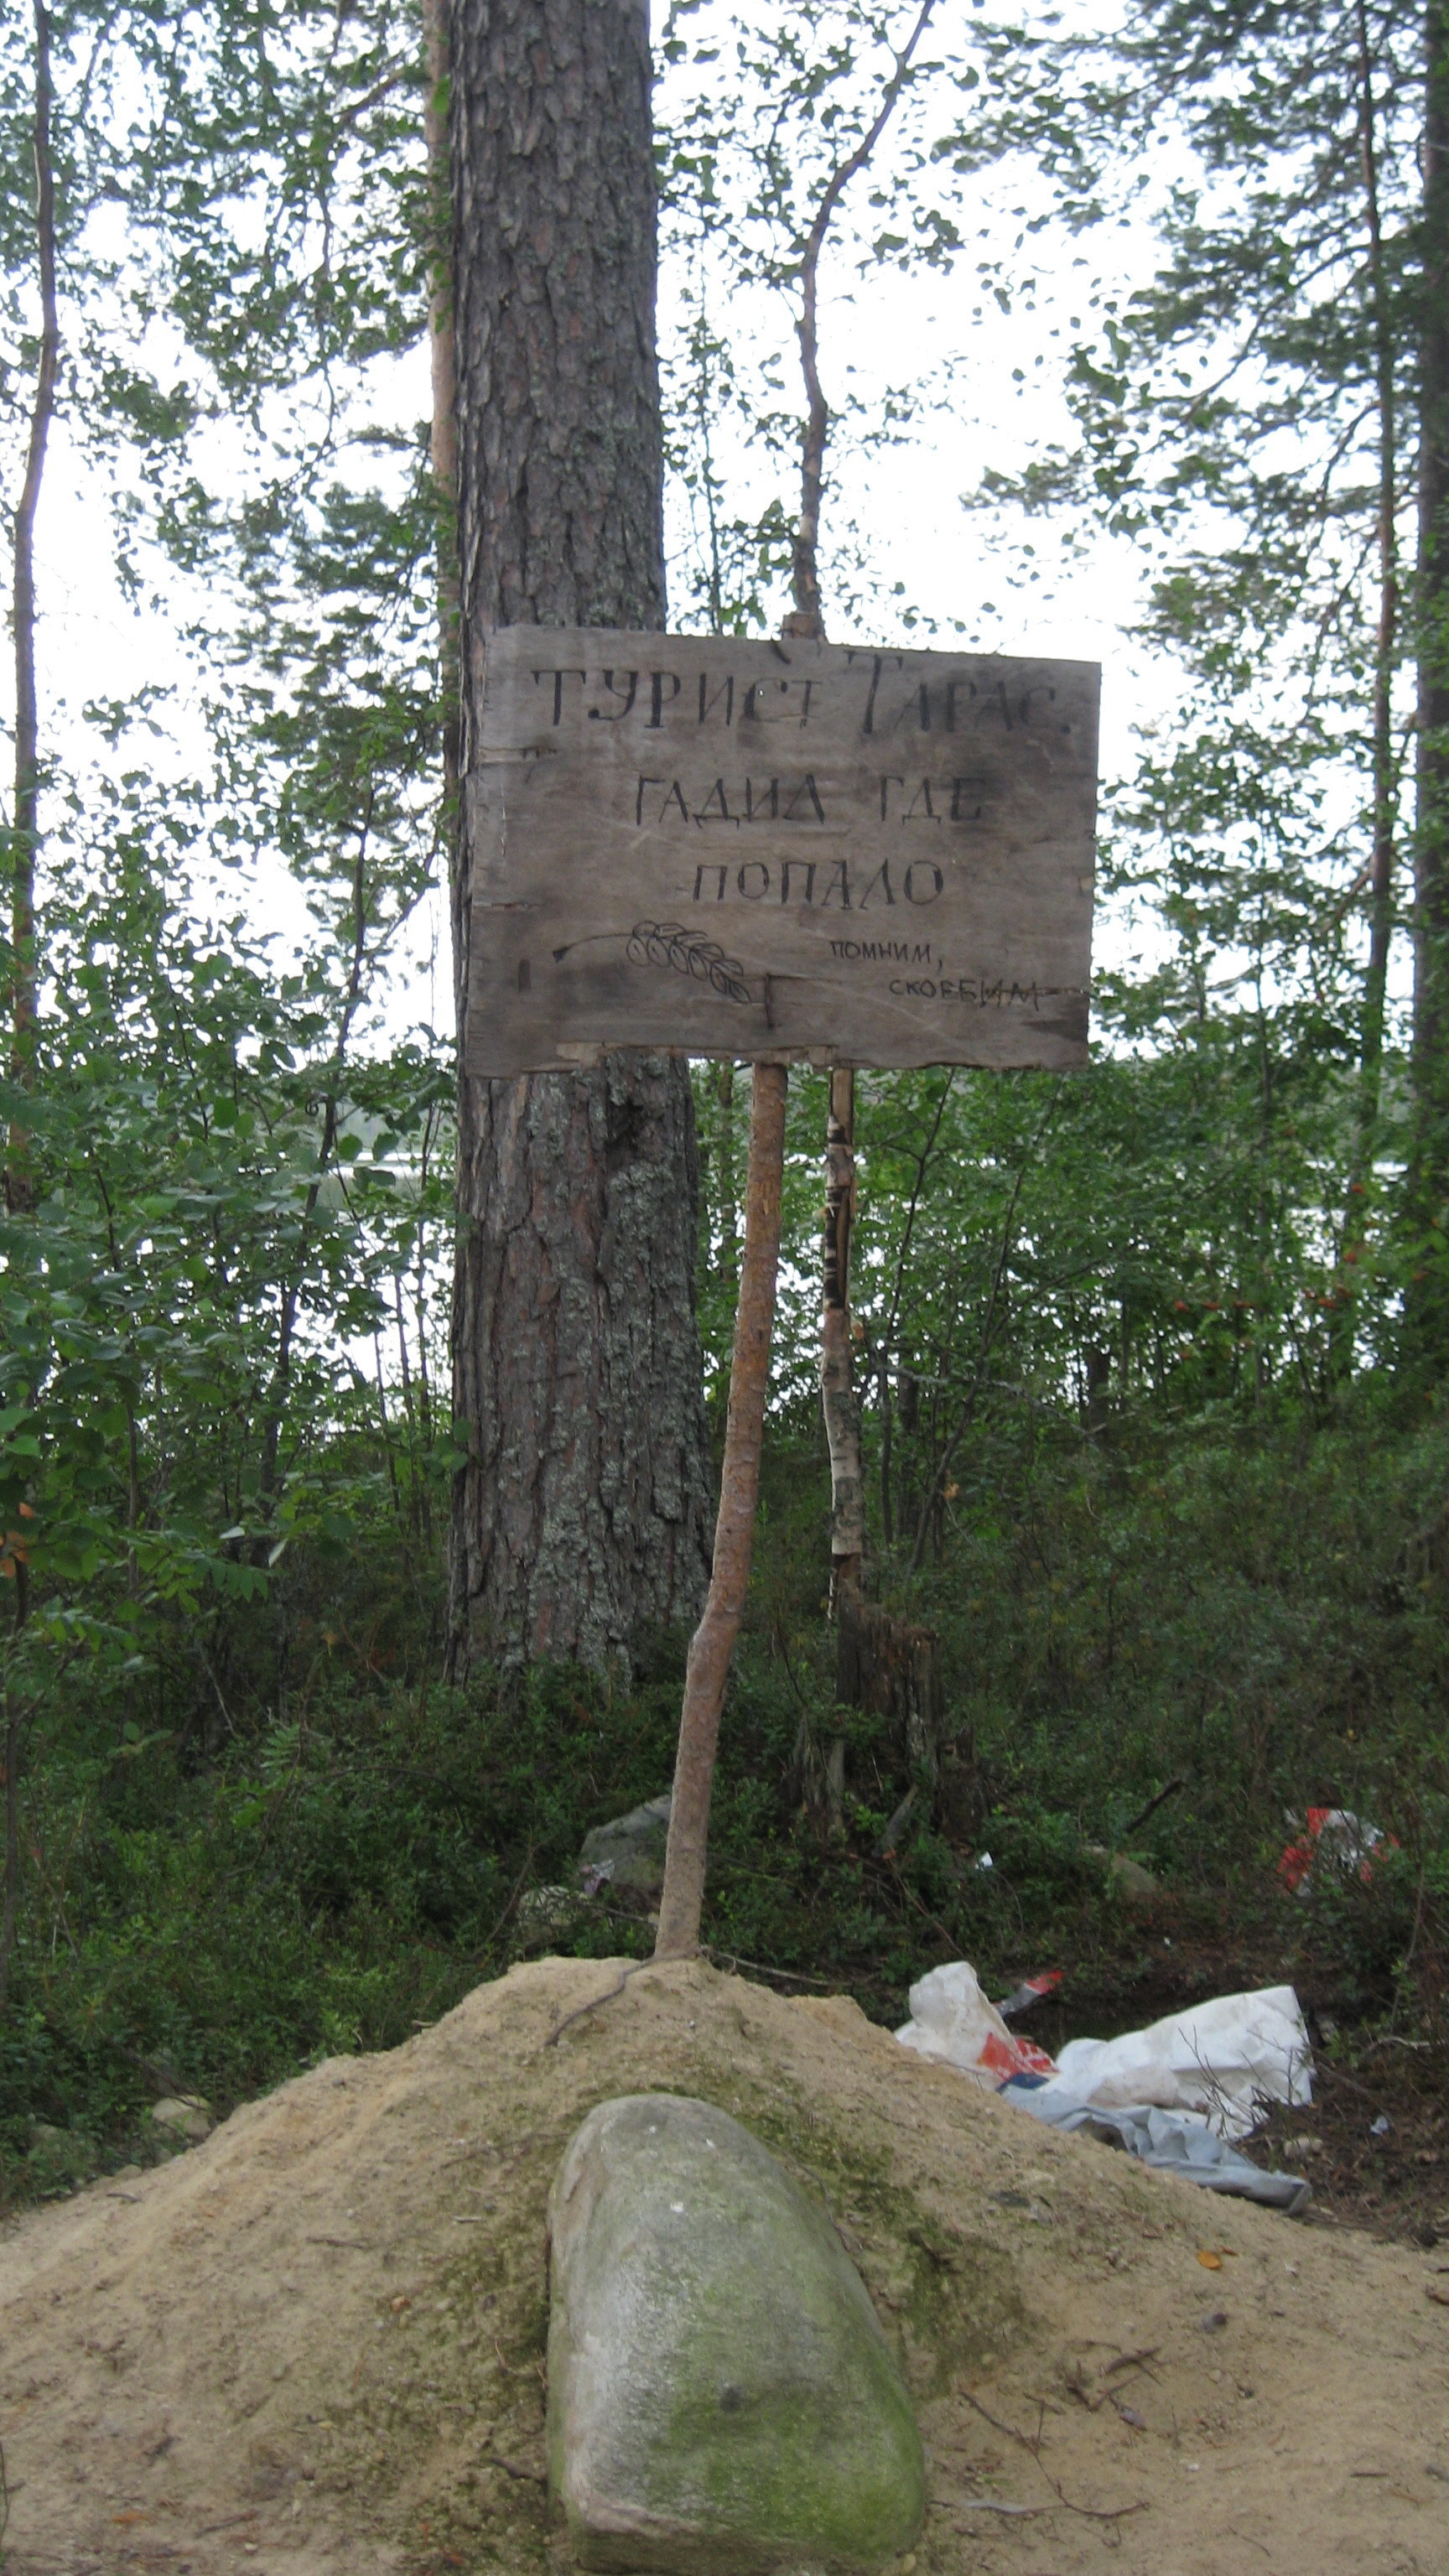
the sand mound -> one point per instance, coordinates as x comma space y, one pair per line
316, 2343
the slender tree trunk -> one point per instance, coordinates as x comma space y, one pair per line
713, 1642
583, 1514
19, 1174
274, 1410
837, 1381
1385, 774
1429, 1191
14, 1743
838, 1399
729, 1179
805, 618
1385, 766
19, 1177
887, 1504
443, 438
443, 457
837, 1389
10, 1902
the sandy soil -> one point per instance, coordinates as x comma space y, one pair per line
316, 2343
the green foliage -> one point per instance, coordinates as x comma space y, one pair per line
1248, 420
237, 1177
1259, 1610
324, 1884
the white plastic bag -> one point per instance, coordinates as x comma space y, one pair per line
1223, 2058
1171, 2094
951, 2019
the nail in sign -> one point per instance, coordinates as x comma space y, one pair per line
750, 849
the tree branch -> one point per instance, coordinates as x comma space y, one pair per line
816, 432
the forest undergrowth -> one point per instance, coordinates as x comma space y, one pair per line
297, 1841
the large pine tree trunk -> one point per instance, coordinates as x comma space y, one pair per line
583, 1516
1429, 1298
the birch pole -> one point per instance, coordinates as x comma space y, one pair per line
686, 1854
713, 1644
838, 1399
837, 1379
19, 1176
25, 836
837, 1375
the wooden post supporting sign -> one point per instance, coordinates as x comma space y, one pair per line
786, 851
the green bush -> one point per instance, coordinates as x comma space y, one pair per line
1258, 1614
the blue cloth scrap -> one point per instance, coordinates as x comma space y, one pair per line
1174, 2141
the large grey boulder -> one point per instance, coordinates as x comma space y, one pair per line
629, 1850
721, 2400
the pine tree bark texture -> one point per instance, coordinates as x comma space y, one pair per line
583, 1516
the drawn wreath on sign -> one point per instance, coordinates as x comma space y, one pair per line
668, 943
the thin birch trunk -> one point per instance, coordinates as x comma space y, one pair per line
1385, 773
1429, 1185
25, 835
806, 619
729, 1181
837, 1386
9, 1909
1385, 767
838, 1399
687, 1853
443, 435
837, 1389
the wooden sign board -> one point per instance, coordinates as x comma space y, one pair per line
789, 850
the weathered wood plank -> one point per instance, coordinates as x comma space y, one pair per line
757, 849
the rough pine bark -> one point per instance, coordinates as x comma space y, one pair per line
583, 1515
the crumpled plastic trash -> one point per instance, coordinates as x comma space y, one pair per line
1174, 2094
1331, 1834
952, 2019
1226, 2059
1033, 1990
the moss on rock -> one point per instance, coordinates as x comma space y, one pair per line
722, 2399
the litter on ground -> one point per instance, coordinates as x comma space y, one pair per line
1330, 1836
209, 2368
1176, 2095
1032, 1990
